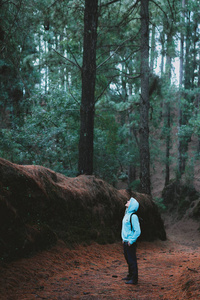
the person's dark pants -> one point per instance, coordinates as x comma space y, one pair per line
130, 256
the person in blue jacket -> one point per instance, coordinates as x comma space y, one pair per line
129, 235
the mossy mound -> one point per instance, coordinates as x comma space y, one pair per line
182, 199
39, 206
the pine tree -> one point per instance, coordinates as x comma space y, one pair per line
85, 164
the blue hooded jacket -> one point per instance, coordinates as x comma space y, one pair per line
126, 233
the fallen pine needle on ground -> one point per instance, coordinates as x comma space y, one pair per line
167, 270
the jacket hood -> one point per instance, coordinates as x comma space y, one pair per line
133, 206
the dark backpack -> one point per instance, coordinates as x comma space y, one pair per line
140, 220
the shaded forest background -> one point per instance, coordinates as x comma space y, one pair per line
97, 97
41, 71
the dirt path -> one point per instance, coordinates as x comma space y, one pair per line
167, 270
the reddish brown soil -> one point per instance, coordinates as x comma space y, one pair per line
167, 270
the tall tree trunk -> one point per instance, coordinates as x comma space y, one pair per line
187, 53
197, 106
153, 48
168, 111
85, 164
144, 101
162, 39
180, 94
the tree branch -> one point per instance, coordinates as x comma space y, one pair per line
111, 2
108, 58
73, 57
73, 95
101, 94
156, 4
112, 54
69, 60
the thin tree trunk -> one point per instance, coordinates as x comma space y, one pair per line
131, 167
168, 112
187, 54
195, 49
162, 38
144, 101
183, 146
153, 48
85, 164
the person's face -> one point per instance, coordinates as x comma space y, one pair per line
127, 203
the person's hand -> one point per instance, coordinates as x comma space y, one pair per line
129, 244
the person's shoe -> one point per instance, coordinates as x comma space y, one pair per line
126, 278
132, 281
